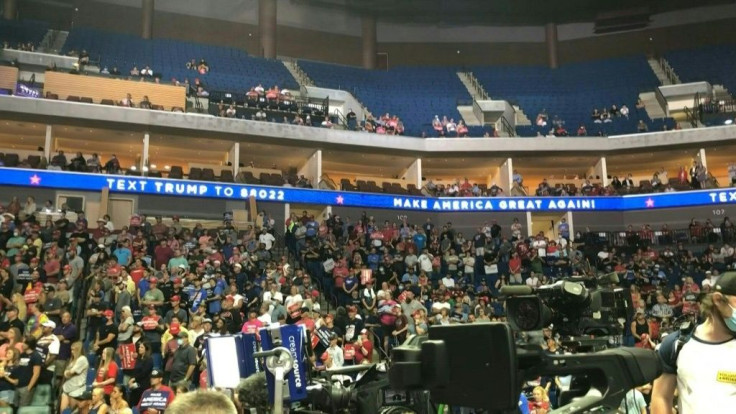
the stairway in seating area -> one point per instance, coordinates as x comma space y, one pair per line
472, 85
651, 105
301, 77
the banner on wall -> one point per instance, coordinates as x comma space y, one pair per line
198, 189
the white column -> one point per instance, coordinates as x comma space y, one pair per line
413, 173
144, 154
600, 169
506, 176
234, 158
312, 169
326, 212
528, 224
287, 214
47, 147
702, 159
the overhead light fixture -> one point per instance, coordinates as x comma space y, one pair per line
145, 169
166, 167
133, 168
153, 166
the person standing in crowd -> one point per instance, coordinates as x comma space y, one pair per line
696, 368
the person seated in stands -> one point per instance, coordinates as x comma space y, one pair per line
58, 161
642, 127
451, 128
93, 163
615, 182
272, 94
145, 103
542, 118
380, 129
399, 128
287, 101
105, 71
78, 163
259, 89
261, 115
462, 129
135, 71
628, 182
192, 64
582, 132
201, 92
251, 97
298, 120
639, 103
587, 187
656, 182
326, 123
368, 125
614, 111
83, 58
203, 68
624, 111
606, 116
596, 116
437, 126
147, 71
352, 119
560, 131
112, 166
231, 112
127, 101
495, 190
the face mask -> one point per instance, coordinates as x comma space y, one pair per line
179, 341
731, 322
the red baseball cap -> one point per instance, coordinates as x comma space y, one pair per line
177, 280
153, 280
175, 298
108, 313
174, 328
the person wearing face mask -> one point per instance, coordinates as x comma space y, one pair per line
184, 361
701, 365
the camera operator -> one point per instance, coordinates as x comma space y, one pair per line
701, 365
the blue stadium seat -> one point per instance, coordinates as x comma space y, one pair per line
415, 94
22, 31
712, 63
230, 69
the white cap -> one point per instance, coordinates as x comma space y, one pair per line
49, 324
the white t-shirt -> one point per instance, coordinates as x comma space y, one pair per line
53, 347
448, 282
267, 239
706, 376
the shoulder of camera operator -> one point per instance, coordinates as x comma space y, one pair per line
705, 358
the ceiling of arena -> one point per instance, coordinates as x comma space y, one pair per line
501, 12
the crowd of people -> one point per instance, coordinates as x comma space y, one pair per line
22, 46
449, 128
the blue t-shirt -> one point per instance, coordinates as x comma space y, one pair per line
123, 254
420, 240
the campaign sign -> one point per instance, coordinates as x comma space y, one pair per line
156, 399
26, 91
222, 351
127, 355
292, 337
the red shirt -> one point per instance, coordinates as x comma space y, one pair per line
361, 355
111, 372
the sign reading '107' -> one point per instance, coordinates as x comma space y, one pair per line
194, 189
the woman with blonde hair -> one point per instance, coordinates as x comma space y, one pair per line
75, 377
15, 340
540, 401
107, 372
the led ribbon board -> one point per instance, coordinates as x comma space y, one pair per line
199, 189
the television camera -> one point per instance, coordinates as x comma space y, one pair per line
578, 308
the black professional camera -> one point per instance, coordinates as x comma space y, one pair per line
478, 366
574, 306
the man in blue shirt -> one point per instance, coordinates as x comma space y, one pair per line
564, 228
123, 253
420, 240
